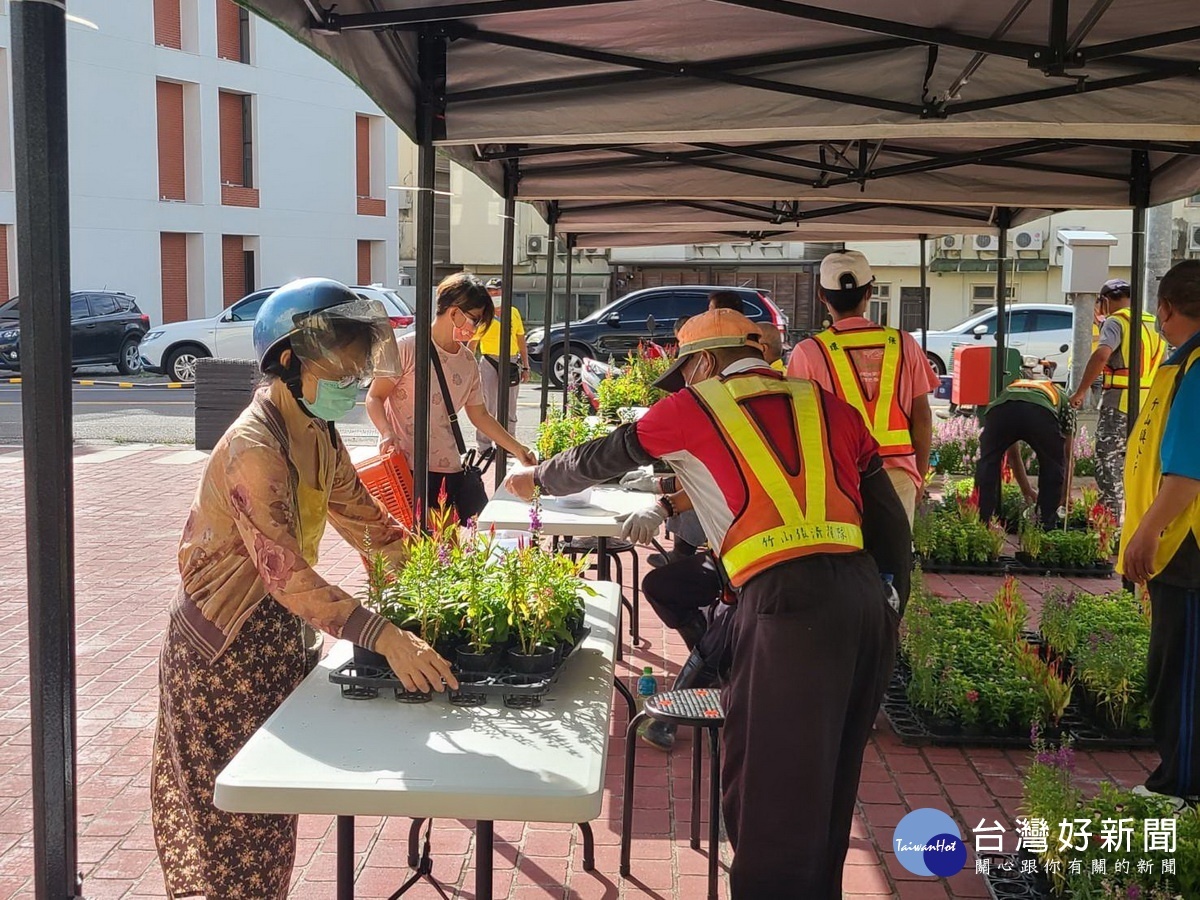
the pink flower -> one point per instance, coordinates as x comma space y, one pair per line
275, 563
972, 696
240, 498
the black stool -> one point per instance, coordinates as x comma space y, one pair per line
578, 546
701, 709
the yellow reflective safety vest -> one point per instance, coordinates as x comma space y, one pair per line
788, 514
1045, 387
1153, 347
888, 423
1143, 466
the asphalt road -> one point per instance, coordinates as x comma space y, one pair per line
160, 415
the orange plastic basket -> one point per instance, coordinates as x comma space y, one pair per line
389, 480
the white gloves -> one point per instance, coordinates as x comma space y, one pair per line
638, 480
643, 525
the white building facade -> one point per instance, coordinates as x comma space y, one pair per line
210, 154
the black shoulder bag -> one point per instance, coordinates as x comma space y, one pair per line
464, 489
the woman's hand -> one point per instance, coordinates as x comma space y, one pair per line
388, 445
525, 456
415, 663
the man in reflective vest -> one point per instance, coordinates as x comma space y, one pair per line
788, 484
1037, 413
1159, 543
1111, 357
878, 370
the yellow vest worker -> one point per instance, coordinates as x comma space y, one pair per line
1160, 541
887, 421
1151, 357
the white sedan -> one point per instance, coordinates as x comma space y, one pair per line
1039, 330
173, 349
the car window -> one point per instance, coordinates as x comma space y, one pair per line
126, 304
753, 311
637, 311
1018, 321
79, 307
103, 305
1046, 320
246, 310
10, 309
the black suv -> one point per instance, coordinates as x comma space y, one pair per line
106, 328
612, 331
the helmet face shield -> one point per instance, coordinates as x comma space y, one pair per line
346, 343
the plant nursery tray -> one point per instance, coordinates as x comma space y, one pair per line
1006, 881
517, 691
999, 567
916, 730
1097, 570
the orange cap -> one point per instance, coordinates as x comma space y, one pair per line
711, 330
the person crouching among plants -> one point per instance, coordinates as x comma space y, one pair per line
235, 644
1038, 413
1159, 543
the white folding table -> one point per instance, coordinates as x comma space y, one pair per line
602, 518
320, 753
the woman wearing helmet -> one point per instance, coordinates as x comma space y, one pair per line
463, 307
235, 644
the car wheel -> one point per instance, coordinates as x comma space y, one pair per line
558, 364
129, 360
939, 367
181, 362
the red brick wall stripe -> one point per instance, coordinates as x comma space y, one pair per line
173, 263
172, 173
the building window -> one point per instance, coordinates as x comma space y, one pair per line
238, 268
233, 31
983, 296
366, 262
168, 24
368, 171
172, 168
173, 254
879, 306
237, 149
1193, 200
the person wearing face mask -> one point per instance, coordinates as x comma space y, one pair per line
235, 642
1160, 543
789, 488
463, 308
1111, 357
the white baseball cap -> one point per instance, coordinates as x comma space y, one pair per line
845, 271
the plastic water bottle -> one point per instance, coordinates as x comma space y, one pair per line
647, 686
889, 591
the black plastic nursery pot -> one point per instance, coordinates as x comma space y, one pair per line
540, 662
1094, 570
369, 659
1006, 881
484, 663
999, 567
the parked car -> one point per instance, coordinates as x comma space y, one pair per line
612, 331
1038, 330
173, 349
106, 329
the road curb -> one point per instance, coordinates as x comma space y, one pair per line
84, 382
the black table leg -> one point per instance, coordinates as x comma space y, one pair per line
414, 843
627, 802
697, 746
345, 858
624, 692
714, 809
589, 846
484, 840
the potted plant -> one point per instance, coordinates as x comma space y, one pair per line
485, 613
562, 432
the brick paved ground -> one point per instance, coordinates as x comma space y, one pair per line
130, 508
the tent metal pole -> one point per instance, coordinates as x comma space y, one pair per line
43, 243
568, 307
921, 239
1139, 195
548, 316
431, 72
506, 278
1004, 219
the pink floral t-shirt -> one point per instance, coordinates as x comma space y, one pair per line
462, 380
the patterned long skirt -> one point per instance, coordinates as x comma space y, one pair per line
206, 713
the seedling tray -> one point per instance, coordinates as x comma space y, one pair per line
516, 691
1006, 881
1097, 570
999, 567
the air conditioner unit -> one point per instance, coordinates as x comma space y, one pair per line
985, 242
535, 245
1027, 240
950, 242
1193, 237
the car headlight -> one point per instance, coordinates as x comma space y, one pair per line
151, 336
9, 335
535, 337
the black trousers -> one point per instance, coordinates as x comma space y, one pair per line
814, 642
678, 592
1004, 426
1173, 683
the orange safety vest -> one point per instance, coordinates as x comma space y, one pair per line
888, 423
1046, 387
1153, 347
787, 514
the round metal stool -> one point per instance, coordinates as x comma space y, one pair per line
699, 708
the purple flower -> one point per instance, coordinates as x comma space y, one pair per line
535, 518
1133, 892
443, 553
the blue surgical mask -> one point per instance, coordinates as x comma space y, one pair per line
334, 399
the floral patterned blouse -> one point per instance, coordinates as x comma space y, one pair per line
257, 518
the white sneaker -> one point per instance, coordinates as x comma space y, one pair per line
1178, 804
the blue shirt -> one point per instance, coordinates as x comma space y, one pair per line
1181, 437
